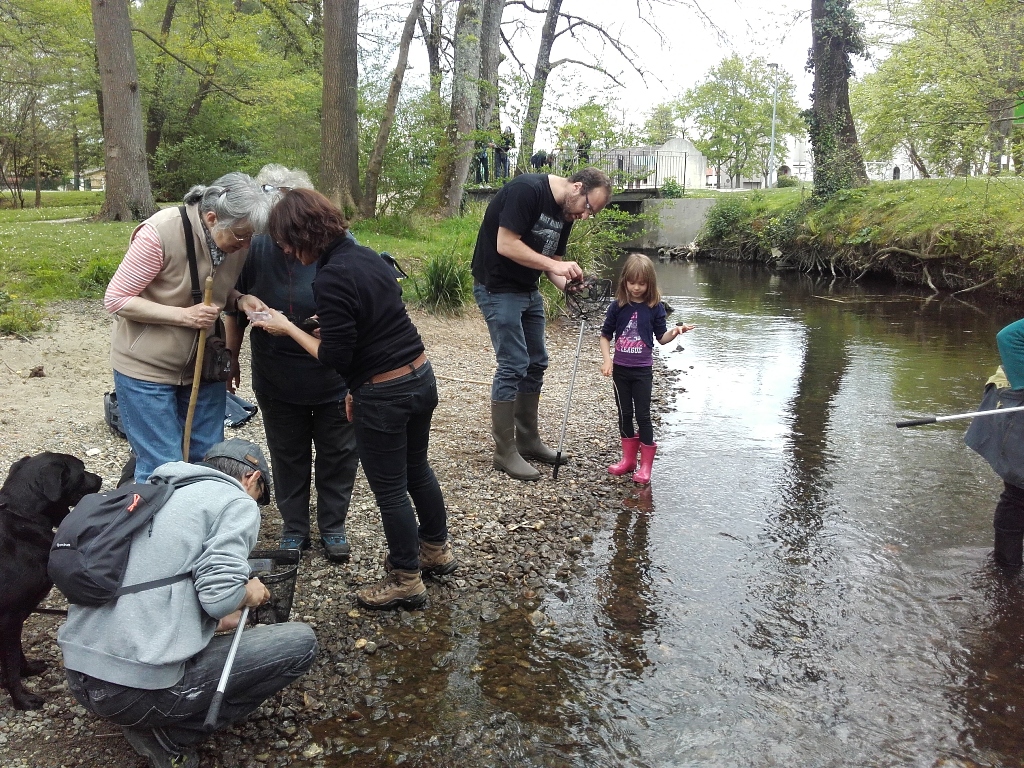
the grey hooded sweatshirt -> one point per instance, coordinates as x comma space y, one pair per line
143, 640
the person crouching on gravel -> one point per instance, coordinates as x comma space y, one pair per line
149, 661
367, 336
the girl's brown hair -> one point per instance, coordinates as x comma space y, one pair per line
307, 221
638, 269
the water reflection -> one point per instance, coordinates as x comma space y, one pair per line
992, 693
630, 621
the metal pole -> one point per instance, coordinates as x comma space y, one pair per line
775, 101
211, 716
971, 415
568, 400
684, 173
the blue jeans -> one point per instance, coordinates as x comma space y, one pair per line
392, 421
154, 420
516, 324
292, 430
269, 657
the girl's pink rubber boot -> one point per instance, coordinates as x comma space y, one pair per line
630, 445
643, 475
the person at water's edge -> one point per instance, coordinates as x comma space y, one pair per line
1008, 518
523, 234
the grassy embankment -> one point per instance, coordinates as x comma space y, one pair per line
951, 233
45, 257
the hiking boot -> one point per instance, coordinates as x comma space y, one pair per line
300, 543
336, 547
398, 589
436, 558
146, 743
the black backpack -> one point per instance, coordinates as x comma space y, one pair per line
90, 549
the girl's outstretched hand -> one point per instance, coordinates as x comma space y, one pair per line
682, 329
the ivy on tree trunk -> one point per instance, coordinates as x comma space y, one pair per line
835, 37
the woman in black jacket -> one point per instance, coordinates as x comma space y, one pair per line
367, 336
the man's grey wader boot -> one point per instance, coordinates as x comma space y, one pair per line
503, 429
528, 441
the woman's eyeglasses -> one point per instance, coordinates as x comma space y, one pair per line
268, 188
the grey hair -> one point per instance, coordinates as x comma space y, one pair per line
277, 175
235, 198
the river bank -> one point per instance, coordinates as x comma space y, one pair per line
373, 692
950, 235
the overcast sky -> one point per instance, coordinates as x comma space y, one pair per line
778, 30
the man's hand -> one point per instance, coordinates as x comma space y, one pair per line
570, 270
236, 373
348, 406
256, 594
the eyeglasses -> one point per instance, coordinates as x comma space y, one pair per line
246, 238
586, 203
268, 188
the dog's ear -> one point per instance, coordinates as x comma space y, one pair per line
16, 466
53, 481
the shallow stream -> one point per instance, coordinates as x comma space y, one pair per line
805, 585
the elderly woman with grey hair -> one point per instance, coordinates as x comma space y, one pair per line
302, 400
157, 317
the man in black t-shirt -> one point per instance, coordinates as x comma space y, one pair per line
523, 234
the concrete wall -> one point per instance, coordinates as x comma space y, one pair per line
679, 222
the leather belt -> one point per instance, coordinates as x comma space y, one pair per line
405, 370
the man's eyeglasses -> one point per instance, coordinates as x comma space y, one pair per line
586, 203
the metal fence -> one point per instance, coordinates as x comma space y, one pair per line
641, 169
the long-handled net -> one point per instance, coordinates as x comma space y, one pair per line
584, 299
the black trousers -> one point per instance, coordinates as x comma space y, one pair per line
633, 387
292, 431
1008, 522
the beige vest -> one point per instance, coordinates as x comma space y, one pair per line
165, 354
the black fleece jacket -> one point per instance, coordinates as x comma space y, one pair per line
364, 328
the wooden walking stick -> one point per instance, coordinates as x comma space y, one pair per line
196, 374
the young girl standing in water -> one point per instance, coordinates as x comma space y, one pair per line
634, 320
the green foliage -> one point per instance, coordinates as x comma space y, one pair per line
670, 188
445, 284
731, 115
19, 317
661, 125
787, 181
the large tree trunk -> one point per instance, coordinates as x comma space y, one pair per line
835, 36
128, 194
537, 88
339, 124
490, 58
465, 102
368, 207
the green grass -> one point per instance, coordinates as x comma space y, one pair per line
972, 228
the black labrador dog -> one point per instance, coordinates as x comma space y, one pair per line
37, 495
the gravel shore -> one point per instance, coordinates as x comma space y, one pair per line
383, 690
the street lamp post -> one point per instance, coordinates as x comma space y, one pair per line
775, 101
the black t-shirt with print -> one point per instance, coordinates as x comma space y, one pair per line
525, 206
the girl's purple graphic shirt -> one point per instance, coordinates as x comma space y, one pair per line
630, 348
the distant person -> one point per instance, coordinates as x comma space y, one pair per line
157, 318
150, 662
634, 320
480, 160
539, 159
524, 234
302, 400
583, 148
501, 150
367, 336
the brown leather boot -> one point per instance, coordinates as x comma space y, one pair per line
398, 589
437, 559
